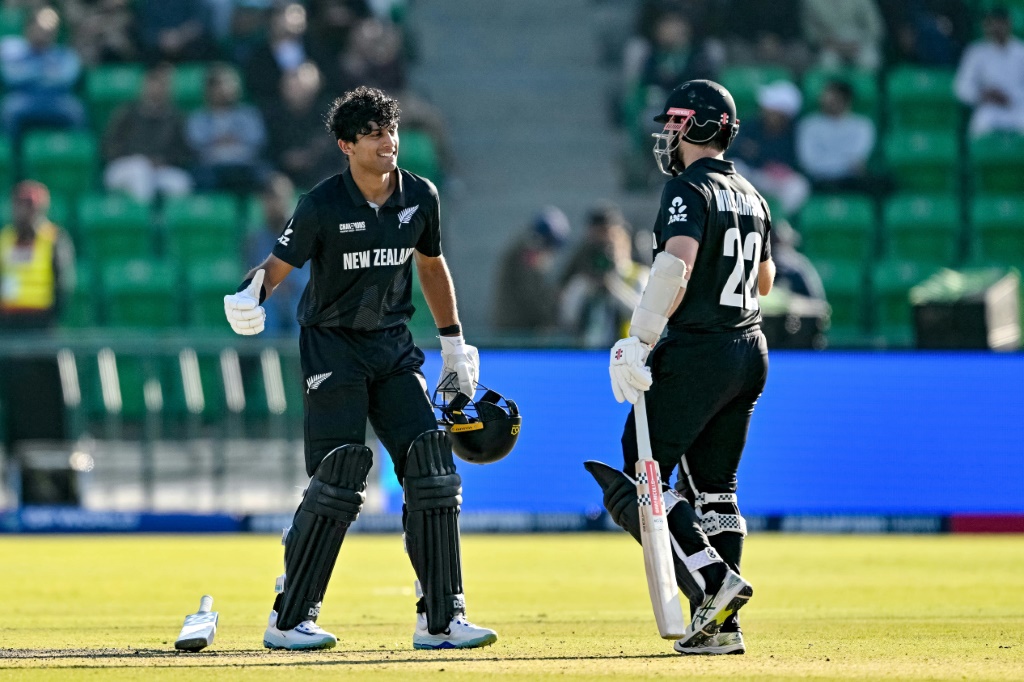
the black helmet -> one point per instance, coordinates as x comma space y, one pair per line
486, 437
699, 112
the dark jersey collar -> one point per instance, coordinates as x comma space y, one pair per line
710, 164
397, 197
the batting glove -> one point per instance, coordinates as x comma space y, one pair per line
629, 374
243, 310
461, 369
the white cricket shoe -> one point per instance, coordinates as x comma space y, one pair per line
460, 634
305, 635
722, 643
707, 621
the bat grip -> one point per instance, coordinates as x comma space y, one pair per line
206, 604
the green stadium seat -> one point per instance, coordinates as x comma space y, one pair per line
922, 228
998, 224
846, 290
12, 20
142, 293
743, 82
997, 162
864, 84
922, 98
206, 283
203, 226
6, 164
114, 227
892, 281
419, 155
64, 161
107, 87
81, 309
838, 227
923, 161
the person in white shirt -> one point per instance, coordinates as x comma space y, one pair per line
833, 144
990, 78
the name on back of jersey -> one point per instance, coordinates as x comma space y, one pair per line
738, 202
373, 258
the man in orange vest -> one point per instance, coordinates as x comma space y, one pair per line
36, 261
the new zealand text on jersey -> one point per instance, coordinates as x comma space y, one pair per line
357, 260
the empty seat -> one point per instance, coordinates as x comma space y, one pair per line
114, 227
743, 81
419, 155
81, 309
922, 228
838, 227
997, 162
846, 291
202, 226
65, 161
206, 284
923, 161
892, 281
142, 293
998, 223
922, 98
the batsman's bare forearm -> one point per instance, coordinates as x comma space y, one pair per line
438, 289
765, 277
274, 272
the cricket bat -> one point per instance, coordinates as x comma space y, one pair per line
199, 628
661, 575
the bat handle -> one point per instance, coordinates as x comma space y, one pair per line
206, 604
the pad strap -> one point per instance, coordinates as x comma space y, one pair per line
714, 498
697, 561
668, 276
713, 523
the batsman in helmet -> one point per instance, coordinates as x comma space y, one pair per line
703, 377
362, 229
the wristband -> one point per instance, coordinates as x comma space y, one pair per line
245, 285
450, 330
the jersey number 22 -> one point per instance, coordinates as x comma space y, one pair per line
739, 291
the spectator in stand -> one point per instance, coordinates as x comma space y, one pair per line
794, 271
675, 56
144, 144
37, 262
765, 149
299, 146
331, 23
278, 201
374, 57
526, 296
927, 32
102, 30
226, 137
283, 52
845, 32
834, 143
603, 283
760, 38
39, 76
175, 31
991, 78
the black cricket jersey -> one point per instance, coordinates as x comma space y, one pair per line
361, 274
712, 203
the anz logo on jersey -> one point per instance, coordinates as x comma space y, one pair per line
677, 211
375, 258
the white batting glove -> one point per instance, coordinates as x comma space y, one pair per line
243, 310
629, 374
461, 368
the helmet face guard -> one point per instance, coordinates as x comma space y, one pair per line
481, 431
666, 142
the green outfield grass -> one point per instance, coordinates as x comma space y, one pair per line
565, 606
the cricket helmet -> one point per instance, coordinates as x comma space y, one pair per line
481, 431
698, 111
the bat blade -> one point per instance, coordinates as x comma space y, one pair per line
199, 629
654, 536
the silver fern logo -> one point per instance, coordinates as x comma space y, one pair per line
405, 215
313, 382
